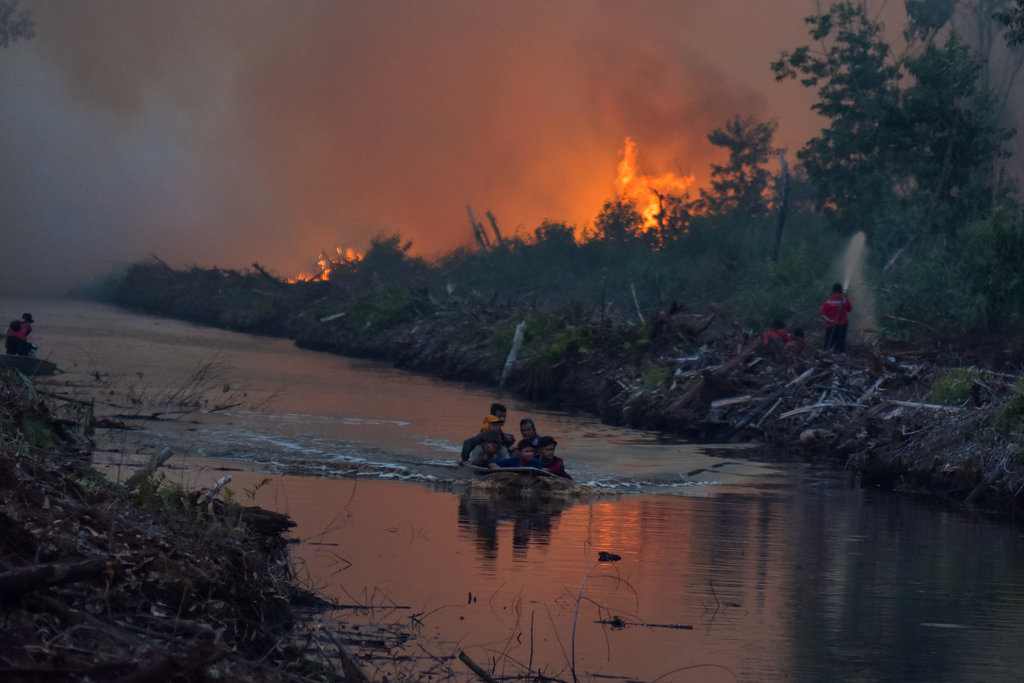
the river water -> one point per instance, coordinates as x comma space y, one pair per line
728, 569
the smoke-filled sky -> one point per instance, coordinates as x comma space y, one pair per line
231, 133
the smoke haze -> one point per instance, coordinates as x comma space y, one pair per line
231, 133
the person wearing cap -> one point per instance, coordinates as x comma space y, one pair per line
499, 411
526, 457
17, 342
548, 460
488, 450
491, 423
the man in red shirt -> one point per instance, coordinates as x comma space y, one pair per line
834, 312
17, 341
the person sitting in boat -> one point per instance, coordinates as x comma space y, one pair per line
526, 457
491, 423
17, 336
488, 451
548, 460
500, 411
529, 433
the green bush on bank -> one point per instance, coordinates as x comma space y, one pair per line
953, 388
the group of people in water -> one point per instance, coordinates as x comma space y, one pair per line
493, 448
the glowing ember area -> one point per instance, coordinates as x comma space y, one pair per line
647, 191
329, 264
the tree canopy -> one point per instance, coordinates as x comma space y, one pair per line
912, 141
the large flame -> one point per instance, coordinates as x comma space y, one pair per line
646, 191
328, 264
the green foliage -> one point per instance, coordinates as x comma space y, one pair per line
913, 135
741, 185
1013, 20
655, 377
1010, 420
953, 388
969, 283
39, 433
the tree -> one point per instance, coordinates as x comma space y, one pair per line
741, 184
619, 220
858, 90
14, 24
896, 160
1013, 19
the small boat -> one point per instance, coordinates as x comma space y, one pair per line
526, 471
27, 365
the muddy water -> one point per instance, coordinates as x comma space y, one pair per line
728, 569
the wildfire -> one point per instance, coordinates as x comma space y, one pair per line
329, 264
647, 191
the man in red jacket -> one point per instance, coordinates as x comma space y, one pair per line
17, 341
834, 312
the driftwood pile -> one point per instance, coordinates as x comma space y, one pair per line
868, 407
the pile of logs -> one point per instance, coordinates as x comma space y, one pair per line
850, 403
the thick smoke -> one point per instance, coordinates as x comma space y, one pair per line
223, 134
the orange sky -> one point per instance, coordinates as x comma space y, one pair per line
222, 134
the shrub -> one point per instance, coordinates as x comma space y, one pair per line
953, 388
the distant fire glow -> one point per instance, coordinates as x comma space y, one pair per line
328, 264
646, 191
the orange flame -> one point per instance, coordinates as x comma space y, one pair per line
329, 264
646, 190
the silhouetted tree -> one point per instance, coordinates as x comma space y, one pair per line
740, 185
14, 23
895, 159
1013, 19
619, 220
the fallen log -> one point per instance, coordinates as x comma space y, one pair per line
735, 400
818, 406
23, 579
154, 463
929, 406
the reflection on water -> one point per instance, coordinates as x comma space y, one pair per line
756, 573
817, 580
483, 511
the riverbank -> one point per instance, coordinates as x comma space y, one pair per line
135, 581
942, 417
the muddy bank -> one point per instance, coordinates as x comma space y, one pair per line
943, 417
133, 582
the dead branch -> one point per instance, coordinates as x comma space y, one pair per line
475, 668
23, 579
929, 406
154, 463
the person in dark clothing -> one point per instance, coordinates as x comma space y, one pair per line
489, 450
491, 424
526, 457
551, 462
